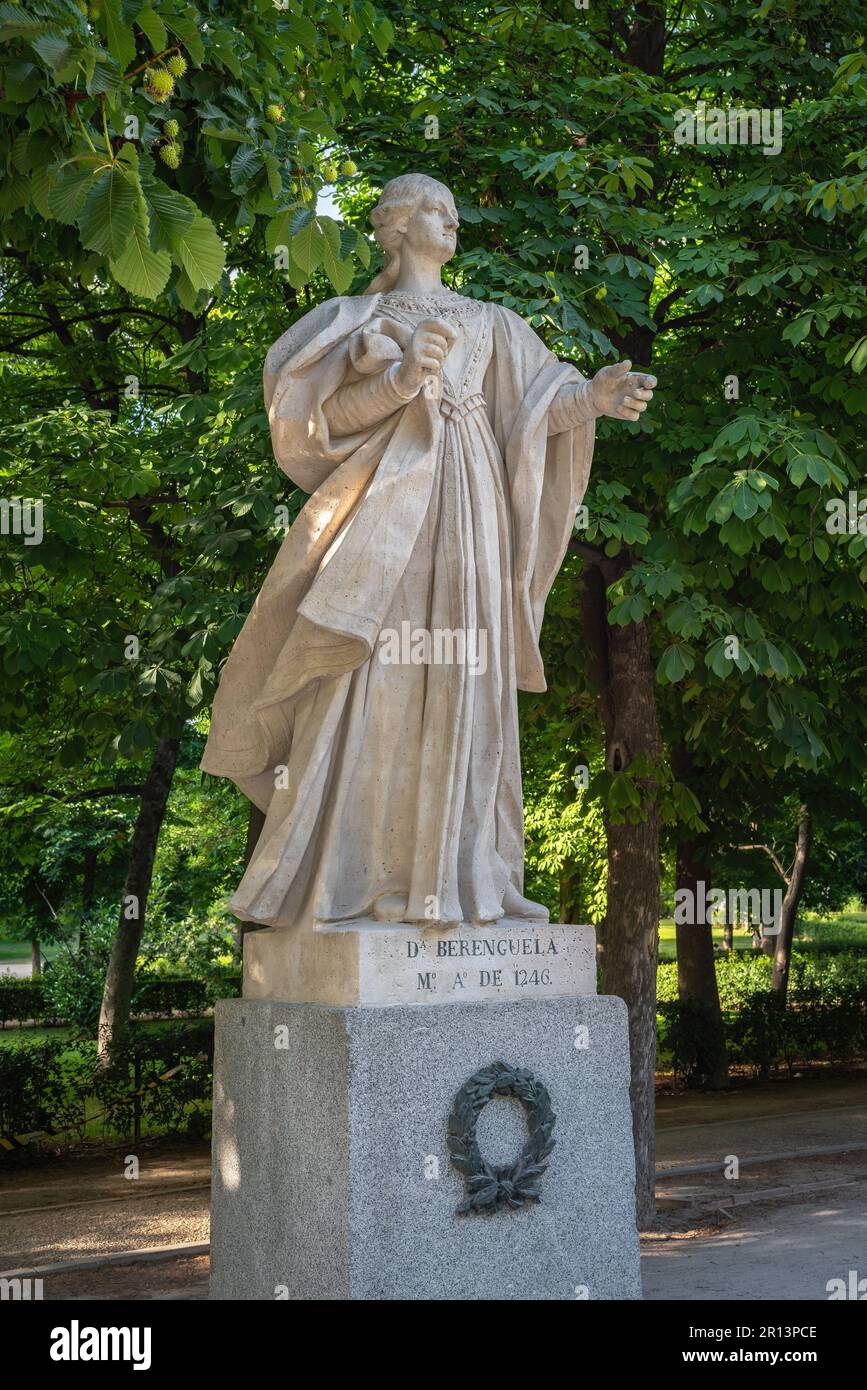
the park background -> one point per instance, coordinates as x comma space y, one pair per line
180, 184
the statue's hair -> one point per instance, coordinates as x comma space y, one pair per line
390, 218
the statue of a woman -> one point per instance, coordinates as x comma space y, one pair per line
369, 704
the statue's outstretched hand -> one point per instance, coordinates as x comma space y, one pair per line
620, 393
425, 352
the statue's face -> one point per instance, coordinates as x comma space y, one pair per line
433, 228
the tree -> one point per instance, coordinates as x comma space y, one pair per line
162, 168
584, 212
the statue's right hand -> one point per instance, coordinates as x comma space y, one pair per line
425, 352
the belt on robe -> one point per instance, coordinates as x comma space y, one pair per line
457, 410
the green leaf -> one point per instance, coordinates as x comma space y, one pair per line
69, 188
797, 331
308, 246
14, 192
170, 213
153, 27
746, 502
239, 137
139, 269
135, 738
200, 252
55, 52
340, 273
275, 177
299, 30
121, 40
186, 28
106, 77
856, 357
677, 661
107, 216
716, 659
40, 187
246, 163
21, 81
187, 295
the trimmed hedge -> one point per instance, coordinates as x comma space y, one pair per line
21, 1000
825, 1019
53, 1085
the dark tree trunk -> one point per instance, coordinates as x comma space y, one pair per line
88, 879
570, 891
114, 1013
88, 893
696, 974
789, 913
622, 672
696, 968
35, 957
628, 706
728, 935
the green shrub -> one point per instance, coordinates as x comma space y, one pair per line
68, 995
54, 1086
824, 1018
21, 1000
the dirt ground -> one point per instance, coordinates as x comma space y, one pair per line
789, 1215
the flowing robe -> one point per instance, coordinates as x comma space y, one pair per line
448, 513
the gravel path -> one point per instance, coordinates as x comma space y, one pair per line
42, 1237
789, 1250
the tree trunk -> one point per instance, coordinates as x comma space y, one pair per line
622, 672
696, 973
728, 935
114, 1012
88, 879
570, 888
789, 913
35, 958
696, 968
88, 893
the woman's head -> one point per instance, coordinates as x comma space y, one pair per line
418, 211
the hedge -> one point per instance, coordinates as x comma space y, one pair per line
21, 1000
824, 1019
53, 1085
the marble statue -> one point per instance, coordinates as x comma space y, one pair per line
369, 705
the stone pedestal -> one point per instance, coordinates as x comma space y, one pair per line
332, 1175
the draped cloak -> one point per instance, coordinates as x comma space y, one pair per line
328, 593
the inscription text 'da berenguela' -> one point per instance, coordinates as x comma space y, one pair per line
430, 981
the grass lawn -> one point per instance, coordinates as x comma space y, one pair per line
11, 952
843, 929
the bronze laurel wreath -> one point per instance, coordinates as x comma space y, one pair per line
490, 1188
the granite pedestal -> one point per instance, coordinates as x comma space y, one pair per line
332, 1177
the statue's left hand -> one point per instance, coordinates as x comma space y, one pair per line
620, 393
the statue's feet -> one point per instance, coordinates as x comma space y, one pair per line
516, 905
391, 907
